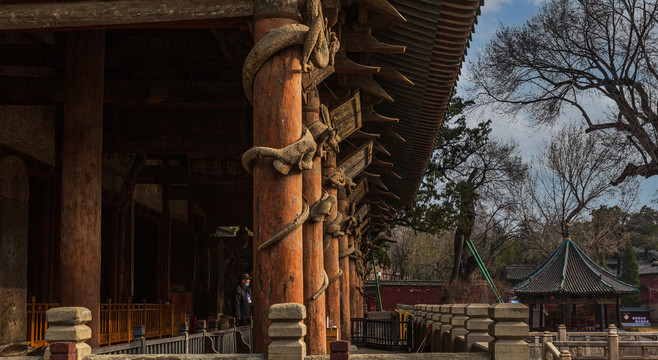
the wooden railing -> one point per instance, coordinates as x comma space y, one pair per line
36, 322
159, 320
117, 320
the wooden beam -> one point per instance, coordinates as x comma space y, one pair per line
96, 14
154, 174
37, 91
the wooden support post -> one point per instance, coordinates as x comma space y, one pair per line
541, 317
14, 213
278, 269
313, 249
345, 323
81, 175
601, 317
532, 316
354, 291
331, 254
618, 312
164, 243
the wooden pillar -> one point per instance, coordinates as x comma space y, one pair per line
82, 139
606, 317
531, 320
14, 193
601, 317
618, 313
164, 243
316, 330
278, 269
354, 291
542, 319
331, 253
563, 307
343, 245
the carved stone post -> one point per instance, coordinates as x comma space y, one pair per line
509, 331
458, 322
613, 343
436, 328
546, 337
287, 332
14, 193
477, 324
277, 99
446, 326
67, 324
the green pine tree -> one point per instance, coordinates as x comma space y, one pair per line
630, 274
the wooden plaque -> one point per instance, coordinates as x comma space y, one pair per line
365, 223
362, 212
359, 192
346, 117
357, 161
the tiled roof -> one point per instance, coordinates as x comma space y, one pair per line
649, 269
436, 35
570, 272
517, 272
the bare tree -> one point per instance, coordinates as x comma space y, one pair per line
419, 256
572, 176
576, 52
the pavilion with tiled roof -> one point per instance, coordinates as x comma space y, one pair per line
570, 277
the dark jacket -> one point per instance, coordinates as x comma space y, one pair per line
242, 302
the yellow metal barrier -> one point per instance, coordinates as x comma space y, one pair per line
117, 320
404, 316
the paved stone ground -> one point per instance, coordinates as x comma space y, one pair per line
365, 350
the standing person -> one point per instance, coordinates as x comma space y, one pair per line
243, 301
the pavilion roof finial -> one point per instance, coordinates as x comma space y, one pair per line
566, 230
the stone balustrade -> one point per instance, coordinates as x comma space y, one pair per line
67, 325
498, 329
477, 325
484, 331
508, 330
446, 326
458, 322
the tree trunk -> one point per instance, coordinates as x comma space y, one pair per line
464, 227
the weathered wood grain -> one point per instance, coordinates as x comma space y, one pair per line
357, 161
346, 117
101, 14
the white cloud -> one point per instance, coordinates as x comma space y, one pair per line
496, 5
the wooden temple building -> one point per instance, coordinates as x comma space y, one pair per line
575, 287
131, 130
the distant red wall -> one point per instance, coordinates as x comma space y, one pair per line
410, 295
649, 289
393, 295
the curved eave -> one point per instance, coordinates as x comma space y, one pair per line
570, 272
437, 35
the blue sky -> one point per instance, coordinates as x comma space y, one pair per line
516, 12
